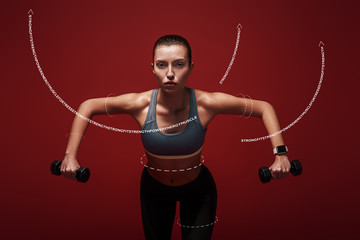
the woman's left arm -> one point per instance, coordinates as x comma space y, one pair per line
222, 103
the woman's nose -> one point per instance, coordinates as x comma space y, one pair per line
170, 73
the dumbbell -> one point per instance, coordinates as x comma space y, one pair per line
265, 173
82, 174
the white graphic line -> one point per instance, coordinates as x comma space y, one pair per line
239, 27
80, 115
321, 45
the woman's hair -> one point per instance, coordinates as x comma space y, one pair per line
169, 40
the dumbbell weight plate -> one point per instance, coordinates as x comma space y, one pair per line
82, 174
264, 174
55, 167
296, 168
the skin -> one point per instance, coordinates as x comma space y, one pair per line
170, 63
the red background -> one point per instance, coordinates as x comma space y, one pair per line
90, 49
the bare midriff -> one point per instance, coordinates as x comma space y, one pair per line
181, 163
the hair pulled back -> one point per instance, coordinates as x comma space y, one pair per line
169, 40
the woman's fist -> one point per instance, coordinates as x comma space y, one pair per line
69, 166
281, 167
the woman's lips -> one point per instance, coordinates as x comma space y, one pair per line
169, 84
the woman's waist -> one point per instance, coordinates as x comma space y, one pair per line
174, 176
172, 170
178, 162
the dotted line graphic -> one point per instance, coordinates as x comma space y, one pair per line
321, 45
30, 13
239, 27
252, 105
197, 226
171, 170
106, 104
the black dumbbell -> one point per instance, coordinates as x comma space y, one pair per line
265, 173
82, 174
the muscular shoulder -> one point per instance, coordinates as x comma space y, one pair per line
124, 103
139, 101
207, 99
218, 102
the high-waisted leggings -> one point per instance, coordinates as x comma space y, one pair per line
198, 200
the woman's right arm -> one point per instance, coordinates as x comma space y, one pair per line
129, 103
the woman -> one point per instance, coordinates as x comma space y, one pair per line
174, 171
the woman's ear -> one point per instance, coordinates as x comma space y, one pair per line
152, 66
191, 66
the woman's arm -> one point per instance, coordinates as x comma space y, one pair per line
126, 103
222, 103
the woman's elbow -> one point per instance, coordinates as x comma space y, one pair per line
86, 107
267, 107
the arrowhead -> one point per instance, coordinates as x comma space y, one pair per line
239, 26
321, 44
30, 12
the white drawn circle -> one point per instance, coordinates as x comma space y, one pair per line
197, 226
171, 170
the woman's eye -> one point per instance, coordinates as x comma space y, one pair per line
179, 64
161, 65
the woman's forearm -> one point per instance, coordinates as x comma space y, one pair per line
272, 125
78, 129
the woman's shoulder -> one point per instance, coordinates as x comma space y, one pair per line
143, 98
210, 100
146, 93
135, 101
203, 97
201, 93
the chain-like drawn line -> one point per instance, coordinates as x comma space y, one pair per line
245, 108
307, 108
171, 170
80, 115
252, 107
106, 105
198, 226
234, 54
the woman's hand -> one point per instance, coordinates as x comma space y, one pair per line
281, 167
69, 166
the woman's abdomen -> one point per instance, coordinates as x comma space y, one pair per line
174, 171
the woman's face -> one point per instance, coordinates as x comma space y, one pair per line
171, 67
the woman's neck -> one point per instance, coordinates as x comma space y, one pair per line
174, 101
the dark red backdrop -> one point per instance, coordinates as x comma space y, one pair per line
91, 49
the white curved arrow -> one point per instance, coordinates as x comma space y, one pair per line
239, 27
80, 115
321, 45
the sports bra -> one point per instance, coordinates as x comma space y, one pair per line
180, 143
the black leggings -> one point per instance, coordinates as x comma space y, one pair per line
197, 198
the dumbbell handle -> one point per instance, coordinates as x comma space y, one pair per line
82, 174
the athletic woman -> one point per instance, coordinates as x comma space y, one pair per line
174, 171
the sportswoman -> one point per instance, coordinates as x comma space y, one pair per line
174, 171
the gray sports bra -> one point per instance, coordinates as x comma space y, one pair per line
181, 143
